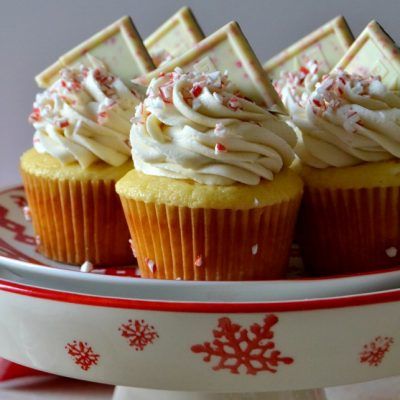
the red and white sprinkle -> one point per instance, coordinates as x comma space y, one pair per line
391, 252
63, 123
27, 213
254, 249
37, 240
87, 267
151, 265
220, 130
256, 202
219, 148
198, 262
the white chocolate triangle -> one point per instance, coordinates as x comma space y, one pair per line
326, 45
227, 49
374, 53
119, 46
174, 37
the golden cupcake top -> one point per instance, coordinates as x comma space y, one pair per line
349, 119
84, 117
198, 126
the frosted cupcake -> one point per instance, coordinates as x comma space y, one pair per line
81, 149
211, 197
350, 153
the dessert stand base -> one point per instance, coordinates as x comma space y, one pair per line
127, 393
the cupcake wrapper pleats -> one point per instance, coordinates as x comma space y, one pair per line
78, 221
344, 231
209, 244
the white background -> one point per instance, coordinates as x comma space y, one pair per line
34, 33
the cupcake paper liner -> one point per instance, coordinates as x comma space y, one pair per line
344, 231
78, 221
209, 244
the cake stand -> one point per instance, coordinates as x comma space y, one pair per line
186, 349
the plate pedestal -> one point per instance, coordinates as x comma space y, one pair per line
126, 393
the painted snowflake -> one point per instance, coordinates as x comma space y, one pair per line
374, 352
139, 334
83, 354
240, 349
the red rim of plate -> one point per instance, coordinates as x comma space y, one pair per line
302, 279
202, 307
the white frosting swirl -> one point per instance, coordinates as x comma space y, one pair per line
85, 117
349, 120
197, 126
294, 88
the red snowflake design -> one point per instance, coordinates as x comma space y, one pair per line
19, 200
240, 349
139, 334
374, 352
17, 229
83, 354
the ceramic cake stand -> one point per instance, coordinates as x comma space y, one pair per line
185, 349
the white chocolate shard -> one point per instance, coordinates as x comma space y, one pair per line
374, 53
326, 45
119, 46
227, 50
174, 37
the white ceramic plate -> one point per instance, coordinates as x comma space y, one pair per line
20, 262
221, 347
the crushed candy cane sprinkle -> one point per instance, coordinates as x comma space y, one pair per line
349, 119
294, 87
338, 89
87, 267
84, 116
197, 125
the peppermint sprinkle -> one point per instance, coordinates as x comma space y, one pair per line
220, 148
218, 97
151, 265
233, 103
391, 252
87, 266
37, 240
196, 90
198, 262
63, 123
220, 129
352, 119
27, 213
101, 117
254, 249
166, 93
256, 202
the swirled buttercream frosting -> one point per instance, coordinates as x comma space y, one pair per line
348, 120
295, 87
198, 126
85, 117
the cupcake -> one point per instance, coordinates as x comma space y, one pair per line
211, 196
349, 153
81, 148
